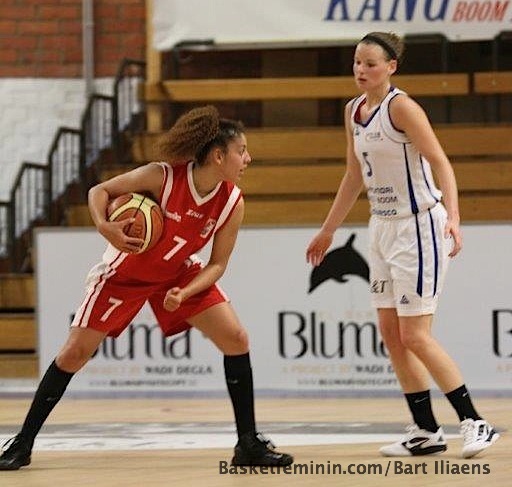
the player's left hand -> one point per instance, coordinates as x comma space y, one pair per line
452, 228
173, 299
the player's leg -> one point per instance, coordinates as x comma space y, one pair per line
416, 335
99, 314
79, 347
410, 371
424, 436
418, 274
221, 324
210, 312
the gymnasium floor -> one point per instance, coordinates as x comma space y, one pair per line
181, 442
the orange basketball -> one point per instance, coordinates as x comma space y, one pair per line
149, 220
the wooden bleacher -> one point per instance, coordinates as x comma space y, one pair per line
296, 170
295, 173
215, 90
324, 178
18, 358
492, 82
277, 144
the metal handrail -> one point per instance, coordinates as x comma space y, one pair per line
28, 207
127, 108
73, 153
96, 127
63, 168
126, 100
5, 208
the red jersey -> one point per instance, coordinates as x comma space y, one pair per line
190, 221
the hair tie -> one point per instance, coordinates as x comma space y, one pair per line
381, 43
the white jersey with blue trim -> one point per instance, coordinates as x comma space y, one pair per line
397, 177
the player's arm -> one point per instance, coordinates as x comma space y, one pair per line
223, 244
408, 116
347, 194
144, 179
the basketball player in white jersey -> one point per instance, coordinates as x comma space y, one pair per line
391, 149
196, 189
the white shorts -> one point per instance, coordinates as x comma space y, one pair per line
408, 261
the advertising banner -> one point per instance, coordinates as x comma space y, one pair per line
175, 21
310, 330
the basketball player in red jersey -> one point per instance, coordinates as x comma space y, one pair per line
200, 201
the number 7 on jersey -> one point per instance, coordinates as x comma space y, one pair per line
180, 242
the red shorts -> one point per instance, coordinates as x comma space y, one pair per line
113, 300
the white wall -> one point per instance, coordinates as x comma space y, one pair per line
32, 110
319, 342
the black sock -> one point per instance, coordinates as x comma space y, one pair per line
50, 390
238, 372
461, 402
421, 409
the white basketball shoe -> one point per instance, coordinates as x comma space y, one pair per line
478, 435
416, 442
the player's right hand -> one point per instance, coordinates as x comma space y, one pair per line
114, 233
318, 247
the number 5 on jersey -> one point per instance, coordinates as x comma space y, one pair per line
367, 162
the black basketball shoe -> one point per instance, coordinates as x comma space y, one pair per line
17, 454
253, 449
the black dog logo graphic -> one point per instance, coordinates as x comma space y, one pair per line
338, 264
